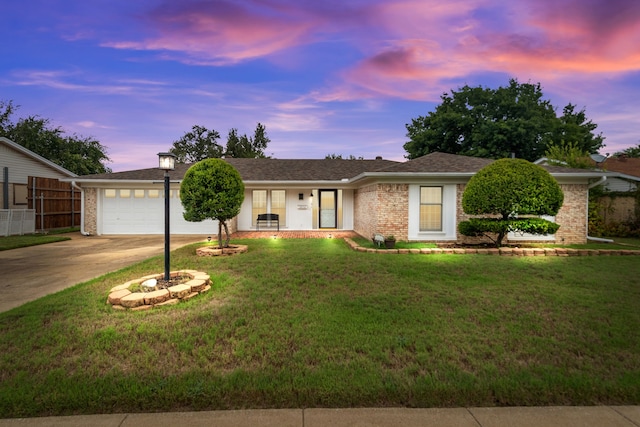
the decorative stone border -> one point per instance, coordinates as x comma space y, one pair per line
215, 251
504, 251
121, 297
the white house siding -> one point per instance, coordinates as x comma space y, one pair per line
300, 214
20, 167
620, 185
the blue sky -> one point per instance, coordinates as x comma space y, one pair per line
324, 77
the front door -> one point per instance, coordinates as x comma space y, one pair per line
328, 208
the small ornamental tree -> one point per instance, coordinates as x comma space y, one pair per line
507, 189
212, 189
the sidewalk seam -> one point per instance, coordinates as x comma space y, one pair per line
623, 416
123, 420
473, 416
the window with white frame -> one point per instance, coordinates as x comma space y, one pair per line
268, 201
258, 204
431, 208
279, 205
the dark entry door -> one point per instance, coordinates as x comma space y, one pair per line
328, 208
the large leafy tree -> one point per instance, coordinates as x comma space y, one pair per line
498, 123
201, 143
574, 127
568, 154
506, 190
212, 189
629, 152
198, 144
78, 154
247, 147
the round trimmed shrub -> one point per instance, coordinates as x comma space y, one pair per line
510, 187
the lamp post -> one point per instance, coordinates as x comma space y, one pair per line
167, 163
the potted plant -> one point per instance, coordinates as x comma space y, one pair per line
390, 242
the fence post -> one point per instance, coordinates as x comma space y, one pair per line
42, 212
73, 210
5, 188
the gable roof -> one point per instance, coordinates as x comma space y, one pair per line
262, 170
333, 170
305, 169
441, 163
28, 153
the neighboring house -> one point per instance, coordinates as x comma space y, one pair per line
624, 173
620, 203
416, 200
17, 164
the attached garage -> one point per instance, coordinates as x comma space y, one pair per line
141, 211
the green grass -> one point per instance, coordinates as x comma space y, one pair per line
627, 241
368, 243
619, 243
15, 242
311, 323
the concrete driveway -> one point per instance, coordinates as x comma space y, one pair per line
30, 273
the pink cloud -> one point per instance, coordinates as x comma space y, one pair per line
223, 32
428, 45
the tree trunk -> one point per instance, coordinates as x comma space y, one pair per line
226, 231
220, 234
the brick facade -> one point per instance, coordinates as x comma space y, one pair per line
393, 210
572, 216
365, 210
91, 210
383, 208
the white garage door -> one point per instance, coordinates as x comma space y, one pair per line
141, 211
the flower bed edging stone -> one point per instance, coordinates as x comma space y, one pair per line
215, 251
504, 251
121, 298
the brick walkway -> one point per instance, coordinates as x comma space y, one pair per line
308, 234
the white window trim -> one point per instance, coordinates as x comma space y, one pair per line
449, 210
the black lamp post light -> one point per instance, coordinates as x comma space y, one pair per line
167, 163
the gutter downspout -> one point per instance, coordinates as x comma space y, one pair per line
84, 233
596, 239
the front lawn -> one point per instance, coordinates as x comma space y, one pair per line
25, 240
310, 323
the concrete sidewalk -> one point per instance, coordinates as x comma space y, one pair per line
562, 416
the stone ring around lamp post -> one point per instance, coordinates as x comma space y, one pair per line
167, 162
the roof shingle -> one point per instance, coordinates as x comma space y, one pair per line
300, 170
441, 163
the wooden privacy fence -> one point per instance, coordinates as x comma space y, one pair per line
57, 204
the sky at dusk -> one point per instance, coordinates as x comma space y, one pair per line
323, 76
